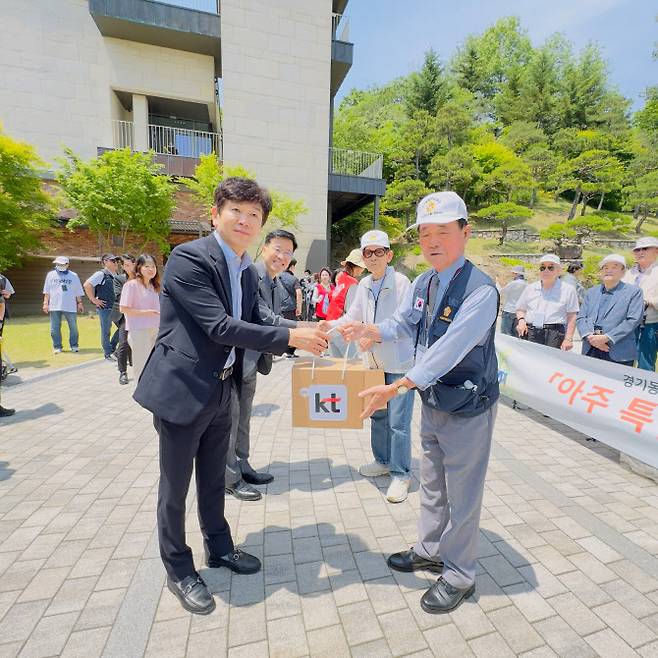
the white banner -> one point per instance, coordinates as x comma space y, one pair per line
614, 404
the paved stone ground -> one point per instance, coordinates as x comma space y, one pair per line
567, 554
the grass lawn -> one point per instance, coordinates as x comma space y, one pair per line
27, 341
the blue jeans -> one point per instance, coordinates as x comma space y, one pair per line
648, 346
390, 432
56, 328
507, 322
104, 315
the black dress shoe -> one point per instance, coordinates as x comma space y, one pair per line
409, 561
123, 378
193, 594
6, 412
238, 561
443, 597
242, 491
252, 476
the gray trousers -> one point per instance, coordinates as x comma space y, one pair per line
452, 472
242, 400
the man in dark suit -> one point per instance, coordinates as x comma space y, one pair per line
209, 314
610, 314
278, 249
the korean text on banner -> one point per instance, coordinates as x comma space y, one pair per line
325, 392
614, 404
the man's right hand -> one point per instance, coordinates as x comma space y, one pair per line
521, 327
45, 308
311, 339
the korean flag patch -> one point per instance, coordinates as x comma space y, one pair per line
419, 304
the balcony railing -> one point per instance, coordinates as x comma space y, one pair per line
209, 6
166, 140
355, 163
340, 27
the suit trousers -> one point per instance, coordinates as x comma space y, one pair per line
242, 400
202, 445
452, 472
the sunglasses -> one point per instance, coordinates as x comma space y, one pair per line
379, 252
642, 249
550, 268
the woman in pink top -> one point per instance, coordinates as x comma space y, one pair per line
140, 303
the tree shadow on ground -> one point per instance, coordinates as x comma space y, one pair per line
321, 474
264, 410
5, 473
48, 409
310, 560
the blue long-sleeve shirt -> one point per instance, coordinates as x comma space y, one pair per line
469, 328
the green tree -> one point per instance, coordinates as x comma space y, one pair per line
561, 235
401, 198
428, 88
647, 118
26, 211
522, 135
117, 194
642, 196
457, 170
505, 215
543, 164
539, 91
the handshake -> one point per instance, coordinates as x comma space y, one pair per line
314, 336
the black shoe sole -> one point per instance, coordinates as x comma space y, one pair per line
441, 611
242, 572
434, 569
187, 606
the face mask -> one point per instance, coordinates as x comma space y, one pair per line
62, 268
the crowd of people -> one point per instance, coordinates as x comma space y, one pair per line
617, 319
201, 333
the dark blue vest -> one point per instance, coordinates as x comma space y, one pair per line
105, 290
471, 387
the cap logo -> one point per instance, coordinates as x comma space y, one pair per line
431, 206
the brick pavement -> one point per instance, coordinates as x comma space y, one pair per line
567, 554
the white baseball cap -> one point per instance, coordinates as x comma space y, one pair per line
613, 258
375, 239
440, 208
550, 258
61, 260
355, 257
518, 269
642, 243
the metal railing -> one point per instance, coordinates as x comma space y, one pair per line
166, 140
209, 6
122, 134
355, 163
340, 27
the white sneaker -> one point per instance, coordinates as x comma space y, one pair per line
373, 469
74, 349
57, 350
397, 490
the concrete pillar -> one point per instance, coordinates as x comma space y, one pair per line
140, 123
376, 218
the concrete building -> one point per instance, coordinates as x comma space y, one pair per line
102, 74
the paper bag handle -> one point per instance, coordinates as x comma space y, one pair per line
345, 358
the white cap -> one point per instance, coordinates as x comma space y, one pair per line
61, 260
375, 239
613, 258
550, 258
440, 208
646, 242
518, 269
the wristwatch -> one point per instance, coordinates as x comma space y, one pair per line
402, 389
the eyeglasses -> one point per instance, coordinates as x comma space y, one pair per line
280, 252
550, 268
379, 252
642, 249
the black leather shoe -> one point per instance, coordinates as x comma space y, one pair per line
123, 378
243, 491
443, 597
252, 476
193, 594
410, 561
6, 412
237, 561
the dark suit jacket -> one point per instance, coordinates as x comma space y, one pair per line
621, 319
197, 332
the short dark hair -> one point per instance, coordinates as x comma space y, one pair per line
281, 233
462, 222
129, 257
235, 188
574, 267
293, 262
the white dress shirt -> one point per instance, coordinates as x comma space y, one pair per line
548, 306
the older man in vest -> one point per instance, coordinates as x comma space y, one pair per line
450, 313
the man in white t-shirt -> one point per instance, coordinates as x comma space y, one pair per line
509, 296
62, 297
547, 309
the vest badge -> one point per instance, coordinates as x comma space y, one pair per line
445, 316
419, 304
